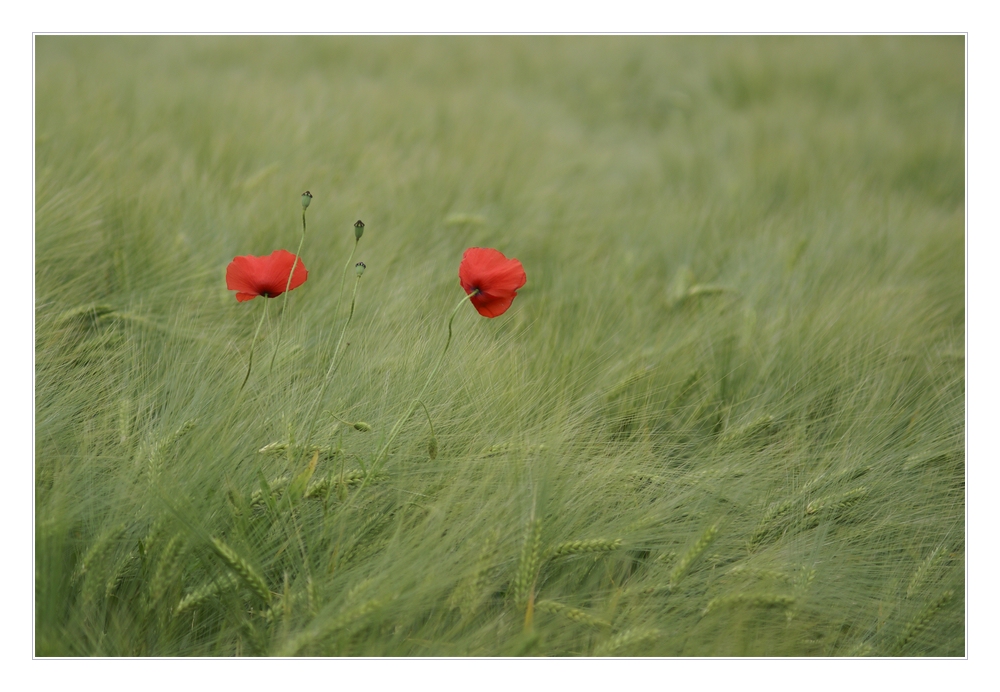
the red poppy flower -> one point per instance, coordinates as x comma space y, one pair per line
264, 276
495, 277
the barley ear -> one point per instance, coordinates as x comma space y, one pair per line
242, 569
919, 623
758, 600
527, 566
469, 592
317, 632
923, 570
594, 545
694, 552
204, 592
574, 614
298, 486
767, 522
167, 570
625, 639
103, 545
756, 431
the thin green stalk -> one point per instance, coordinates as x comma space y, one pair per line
334, 415
343, 331
343, 279
428, 414
254, 343
333, 365
413, 404
432, 444
284, 303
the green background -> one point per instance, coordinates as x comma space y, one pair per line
736, 368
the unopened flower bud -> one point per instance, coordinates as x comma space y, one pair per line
362, 426
306, 199
359, 269
432, 448
359, 229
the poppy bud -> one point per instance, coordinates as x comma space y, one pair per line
432, 448
359, 269
362, 426
359, 229
306, 198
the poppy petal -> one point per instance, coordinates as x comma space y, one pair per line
266, 276
490, 306
495, 277
476, 262
274, 274
506, 277
240, 275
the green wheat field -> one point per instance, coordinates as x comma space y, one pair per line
724, 417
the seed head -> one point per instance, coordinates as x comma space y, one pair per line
359, 229
306, 199
359, 268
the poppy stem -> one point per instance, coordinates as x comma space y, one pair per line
432, 444
333, 360
428, 414
253, 343
333, 363
343, 279
380, 457
334, 415
284, 303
